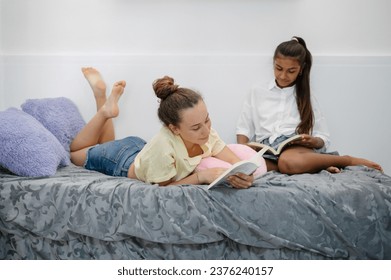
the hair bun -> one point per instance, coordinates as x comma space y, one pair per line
164, 87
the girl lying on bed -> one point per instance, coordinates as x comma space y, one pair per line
172, 156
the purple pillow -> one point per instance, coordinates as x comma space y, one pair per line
59, 115
27, 148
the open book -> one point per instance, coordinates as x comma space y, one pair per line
258, 146
245, 166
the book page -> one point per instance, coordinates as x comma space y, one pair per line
284, 143
258, 146
261, 147
246, 167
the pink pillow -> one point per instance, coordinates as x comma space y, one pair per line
242, 151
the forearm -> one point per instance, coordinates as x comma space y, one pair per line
241, 139
192, 179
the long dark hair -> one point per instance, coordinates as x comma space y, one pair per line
297, 49
173, 99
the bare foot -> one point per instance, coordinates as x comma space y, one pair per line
333, 169
110, 108
96, 82
368, 163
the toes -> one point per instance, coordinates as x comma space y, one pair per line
120, 83
333, 169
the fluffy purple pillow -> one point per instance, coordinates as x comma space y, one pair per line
27, 148
59, 115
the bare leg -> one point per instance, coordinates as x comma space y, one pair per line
298, 159
98, 87
90, 134
271, 165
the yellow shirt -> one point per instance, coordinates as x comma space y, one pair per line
165, 157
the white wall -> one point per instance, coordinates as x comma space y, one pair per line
220, 47
333, 27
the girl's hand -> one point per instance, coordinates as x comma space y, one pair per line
309, 141
241, 181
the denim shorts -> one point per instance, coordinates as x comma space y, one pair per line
115, 157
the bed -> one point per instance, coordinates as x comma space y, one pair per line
82, 214
52, 209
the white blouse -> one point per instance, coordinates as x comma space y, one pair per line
270, 112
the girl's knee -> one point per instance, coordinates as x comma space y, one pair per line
78, 158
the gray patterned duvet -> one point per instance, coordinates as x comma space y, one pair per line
81, 214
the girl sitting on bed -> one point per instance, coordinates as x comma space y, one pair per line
172, 156
273, 113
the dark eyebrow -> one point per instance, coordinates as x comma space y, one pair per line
197, 124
